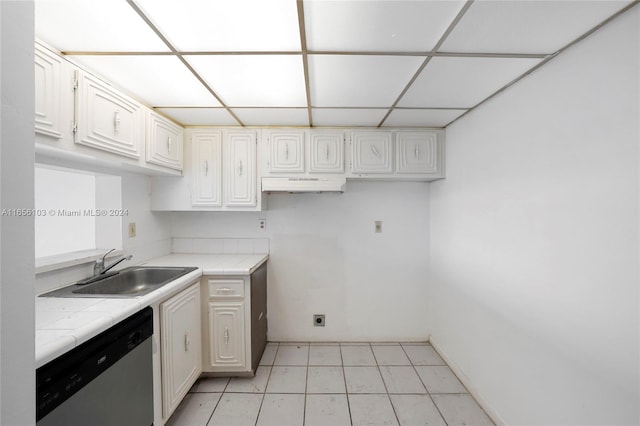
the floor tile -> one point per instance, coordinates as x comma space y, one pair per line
390, 355
415, 343
269, 355
327, 410
423, 355
287, 380
461, 409
256, 384
281, 410
357, 355
325, 355
210, 384
416, 410
386, 343
325, 380
355, 344
401, 380
239, 409
292, 355
371, 410
194, 410
364, 380
440, 379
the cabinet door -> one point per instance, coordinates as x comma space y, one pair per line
417, 152
286, 151
240, 168
48, 102
371, 152
206, 164
180, 340
164, 142
107, 119
326, 152
226, 334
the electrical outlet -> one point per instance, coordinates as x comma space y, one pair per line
318, 320
378, 226
132, 229
262, 224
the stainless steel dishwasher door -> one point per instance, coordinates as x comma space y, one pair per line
122, 395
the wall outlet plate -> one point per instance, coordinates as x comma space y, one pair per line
318, 320
262, 224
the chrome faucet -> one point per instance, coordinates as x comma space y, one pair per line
100, 269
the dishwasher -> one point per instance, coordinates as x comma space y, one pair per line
106, 381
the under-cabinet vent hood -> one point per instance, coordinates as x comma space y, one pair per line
303, 184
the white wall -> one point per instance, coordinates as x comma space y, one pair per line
534, 240
17, 328
325, 258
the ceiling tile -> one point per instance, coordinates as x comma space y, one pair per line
377, 25
94, 25
238, 25
361, 80
422, 117
273, 116
155, 80
526, 26
200, 116
327, 117
462, 82
254, 80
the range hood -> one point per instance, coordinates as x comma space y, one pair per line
303, 184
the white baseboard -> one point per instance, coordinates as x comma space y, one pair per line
473, 390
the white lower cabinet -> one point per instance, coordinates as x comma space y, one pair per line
180, 325
226, 343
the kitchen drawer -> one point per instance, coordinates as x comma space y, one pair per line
224, 289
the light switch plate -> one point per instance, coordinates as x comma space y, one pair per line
132, 229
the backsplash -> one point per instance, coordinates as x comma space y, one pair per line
221, 245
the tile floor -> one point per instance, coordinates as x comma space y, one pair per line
336, 384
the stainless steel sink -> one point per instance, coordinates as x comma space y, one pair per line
129, 282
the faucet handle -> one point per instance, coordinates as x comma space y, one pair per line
105, 255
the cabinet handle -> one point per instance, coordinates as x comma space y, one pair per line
186, 341
226, 336
375, 151
417, 152
206, 167
224, 290
116, 122
326, 151
169, 144
240, 169
286, 151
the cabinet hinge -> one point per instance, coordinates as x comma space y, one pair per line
74, 128
75, 80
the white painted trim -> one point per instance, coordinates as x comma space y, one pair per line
473, 390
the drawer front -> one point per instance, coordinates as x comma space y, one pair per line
224, 289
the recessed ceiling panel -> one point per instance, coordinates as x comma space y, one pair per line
227, 25
357, 81
273, 116
254, 80
462, 82
155, 80
422, 117
377, 25
200, 116
94, 25
347, 117
526, 26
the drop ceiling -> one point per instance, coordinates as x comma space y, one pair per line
420, 63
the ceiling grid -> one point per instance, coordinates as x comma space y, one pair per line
413, 63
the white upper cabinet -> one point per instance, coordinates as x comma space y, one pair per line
286, 151
417, 152
164, 142
49, 69
107, 119
240, 168
326, 152
206, 168
371, 152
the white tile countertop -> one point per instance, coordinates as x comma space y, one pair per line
64, 323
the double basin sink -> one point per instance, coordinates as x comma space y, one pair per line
129, 282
